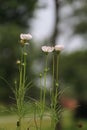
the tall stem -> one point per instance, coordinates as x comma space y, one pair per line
43, 96
35, 121
54, 94
57, 68
52, 91
19, 124
57, 83
41, 90
53, 71
21, 90
41, 117
45, 74
21, 71
24, 74
41, 103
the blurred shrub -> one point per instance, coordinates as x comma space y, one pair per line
73, 73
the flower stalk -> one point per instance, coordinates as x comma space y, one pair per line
20, 90
55, 85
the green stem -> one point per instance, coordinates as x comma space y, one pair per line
41, 96
41, 103
54, 93
45, 74
53, 70
21, 70
24, 75
57, 84
35, 121
53, 80
19, 124
41, 122
19, 93
57, 68
21, 89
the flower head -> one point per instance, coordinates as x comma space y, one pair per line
59, 47
18, 62
47, 49
25, 36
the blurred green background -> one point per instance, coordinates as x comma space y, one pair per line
15, 18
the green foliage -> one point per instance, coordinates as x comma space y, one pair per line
81, 28
74, 70
14, 19
16, 12
8, 55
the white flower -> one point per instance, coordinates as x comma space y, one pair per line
47, 49
59, 47
25, 36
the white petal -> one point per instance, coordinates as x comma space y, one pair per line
59, 47
25, 36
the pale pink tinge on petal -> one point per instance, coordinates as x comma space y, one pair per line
47, 48
59, 47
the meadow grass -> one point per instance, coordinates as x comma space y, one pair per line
8, 120
9, 123
68, 123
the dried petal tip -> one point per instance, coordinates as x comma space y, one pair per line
59, 47
25, 36
47, 49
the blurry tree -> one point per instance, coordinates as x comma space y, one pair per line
56, 21
77, 19
17, 12
15, 17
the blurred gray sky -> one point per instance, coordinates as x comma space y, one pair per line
42, 25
